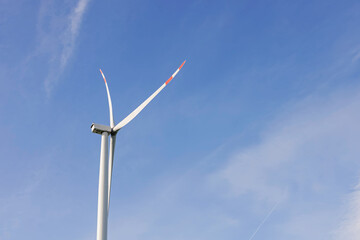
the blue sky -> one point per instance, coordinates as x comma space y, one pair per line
264, 115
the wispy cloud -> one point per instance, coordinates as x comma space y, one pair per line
350, 227
308, 151
58, 29
72, 31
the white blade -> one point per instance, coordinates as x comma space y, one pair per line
109, 100
111, 161
132, 115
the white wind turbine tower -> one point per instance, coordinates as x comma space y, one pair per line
106, 160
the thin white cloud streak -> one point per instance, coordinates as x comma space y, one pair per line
350, 227
355, 54
264, 220
57, 32
72, 31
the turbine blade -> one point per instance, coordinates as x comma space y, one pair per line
109, 100
132, 115
111, 161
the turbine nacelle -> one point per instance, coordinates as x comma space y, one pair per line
99, 128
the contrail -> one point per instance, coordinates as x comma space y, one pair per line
263, 221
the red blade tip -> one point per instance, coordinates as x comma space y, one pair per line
182, 65
103, 75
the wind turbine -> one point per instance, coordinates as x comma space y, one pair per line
106, 160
